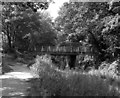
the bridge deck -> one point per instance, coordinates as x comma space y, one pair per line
60, 53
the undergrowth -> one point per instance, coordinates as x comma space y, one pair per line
110, 72
55, 82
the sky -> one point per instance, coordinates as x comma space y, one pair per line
54, 7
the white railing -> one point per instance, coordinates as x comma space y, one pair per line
60, 49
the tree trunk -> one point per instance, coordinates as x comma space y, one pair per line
9, 42
9, 37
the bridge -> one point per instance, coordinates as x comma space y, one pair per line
64, 50
70, 52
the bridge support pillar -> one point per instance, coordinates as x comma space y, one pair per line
72, 61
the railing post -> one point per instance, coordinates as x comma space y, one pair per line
77, 50
64, 49
71, 49
49, 49
59, 49
56, 49
42, 49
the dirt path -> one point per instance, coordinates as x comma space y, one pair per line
15, 83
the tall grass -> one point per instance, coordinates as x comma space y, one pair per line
110, 72
54, 82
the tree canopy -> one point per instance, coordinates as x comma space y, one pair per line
25, 27
92, 22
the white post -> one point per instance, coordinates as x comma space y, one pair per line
42, 49
70, 49
49, 48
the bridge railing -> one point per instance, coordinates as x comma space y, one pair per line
61, 49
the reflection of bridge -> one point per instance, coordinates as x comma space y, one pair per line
69, 51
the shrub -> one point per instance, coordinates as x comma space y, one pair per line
107, 70
110, 72
86, 61
42, 64
5, 68
54, 82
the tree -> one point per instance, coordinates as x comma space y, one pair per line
83, 21
20, 19
75, 17
11, 11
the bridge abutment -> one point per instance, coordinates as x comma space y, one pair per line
71, 60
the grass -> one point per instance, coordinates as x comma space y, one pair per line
110, 72
54, 82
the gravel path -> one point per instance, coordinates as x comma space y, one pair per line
15, 84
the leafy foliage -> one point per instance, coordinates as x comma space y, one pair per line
54, 82
93, 23
24, 26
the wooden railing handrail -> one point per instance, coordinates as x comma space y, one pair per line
61, 49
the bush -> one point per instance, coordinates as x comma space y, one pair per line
86, 62
41, 63
111, 70
5, 68
54, 82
